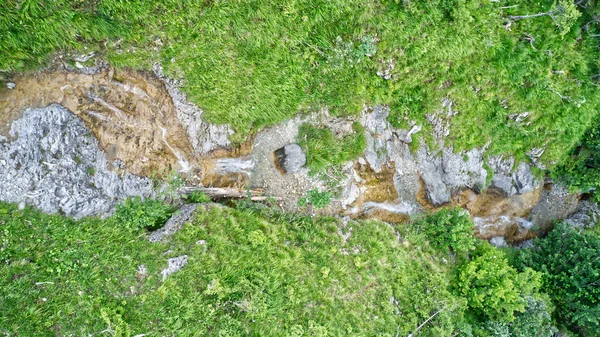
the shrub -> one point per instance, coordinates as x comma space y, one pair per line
581, 168
136, 214
493, 289
447, 229
570, 267
316, 198
535, 321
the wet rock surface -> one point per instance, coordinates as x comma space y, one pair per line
204, 137
131, 114
52, 161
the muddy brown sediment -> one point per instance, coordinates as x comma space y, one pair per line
496, 214
130, 113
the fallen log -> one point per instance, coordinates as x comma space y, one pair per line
255, 194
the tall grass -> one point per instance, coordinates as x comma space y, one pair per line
256, 63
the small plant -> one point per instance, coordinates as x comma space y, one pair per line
316, 199
136, 214
197, 197
167, 184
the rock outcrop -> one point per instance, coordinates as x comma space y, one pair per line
54, 162
131, 114
586, 215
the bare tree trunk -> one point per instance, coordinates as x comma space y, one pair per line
521, 17
255, 194
426, 321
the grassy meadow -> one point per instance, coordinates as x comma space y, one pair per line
254, 271
256, 63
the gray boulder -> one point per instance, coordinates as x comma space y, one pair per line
290, 158
174, 265
518, 181
524, 179
556, 204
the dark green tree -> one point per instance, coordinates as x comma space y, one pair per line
569, 261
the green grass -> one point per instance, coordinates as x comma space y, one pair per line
252, 277
256, 63
324, 150
252, 271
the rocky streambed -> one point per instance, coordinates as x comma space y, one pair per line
78, 142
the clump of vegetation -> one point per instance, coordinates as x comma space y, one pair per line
535, 321
581, 168
197, 197
493, 289
136, 214
323, 149
568, 262
316, 198
447, 229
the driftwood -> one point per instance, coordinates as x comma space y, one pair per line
255, 194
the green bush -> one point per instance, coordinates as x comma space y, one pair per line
493, 289
136, 214
535, 321
569, 262
447, 229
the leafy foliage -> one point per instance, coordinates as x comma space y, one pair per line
535, 321
565, 14
316, 199
581, 168
198, 197
570, 268
493, 289
136, 214
447, 229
